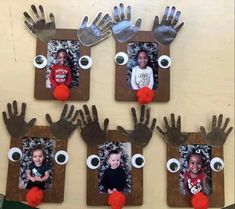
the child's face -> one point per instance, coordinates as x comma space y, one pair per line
114, 160
195, 164
38, 157
62, 58
142, 60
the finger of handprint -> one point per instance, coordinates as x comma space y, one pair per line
178, 125
142, 111
106, 34
164, 18
30, 27
9, 110
82, 117
160, 131
106, 123
48, 118
214, 119
122, 130
97, 18
52, 17
42, 11
147, 116
31, 122
75, 116
29, 19
87, 112
134, 115
35, 10
226, 124
138, 23
172, 12
220, 120
84, 22
4, 115
176, 18
103, 21
23, 108
116, 14
203, 130
156, 22
179, 26
128, 13
95, 113
79, 123
106, 27
166, 122
173, 120
122, 12
228, 131
153, 124
64, 111
15, 111
70, 112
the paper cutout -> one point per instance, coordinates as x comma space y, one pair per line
42, 29
165, 32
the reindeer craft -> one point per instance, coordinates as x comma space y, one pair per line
195, 162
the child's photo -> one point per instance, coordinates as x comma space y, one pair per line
195, 171
142, 65
62, 67
36, 166
115, 167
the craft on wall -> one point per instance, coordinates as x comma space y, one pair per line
37, 156
108, 180
63, 58
195, 164
229, 207
148, 50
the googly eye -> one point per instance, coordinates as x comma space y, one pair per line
121, 58
40, 61
173, 165
61, 157
85, 62
14, 154
138, 160
217, 164
93, 162
164, 61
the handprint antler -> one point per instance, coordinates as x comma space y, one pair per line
122, 28
141, 134
67, 123
217, 136
96, 32
173, 135
15, 123
165, 32
44, 31
90, 129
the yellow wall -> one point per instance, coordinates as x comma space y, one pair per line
202, 83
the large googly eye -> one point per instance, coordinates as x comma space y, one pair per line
173, 165
14, 154
217, 164
93, 161
85, 62
138, 160
164, 61
40, 61
121, 58
61, 157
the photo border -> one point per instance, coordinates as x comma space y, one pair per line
135, 197
81, 93
174, 197
122, 91
54, 195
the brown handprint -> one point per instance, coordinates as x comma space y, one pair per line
173, 135
15, 123
44, 31
141, 134
217, 136
90, 129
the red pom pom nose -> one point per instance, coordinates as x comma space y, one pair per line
34, 197
200, 201
61, 92
145, 95
116, 200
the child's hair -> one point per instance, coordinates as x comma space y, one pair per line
39, 147
114, 151
61, 50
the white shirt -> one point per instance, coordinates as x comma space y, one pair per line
142, 77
